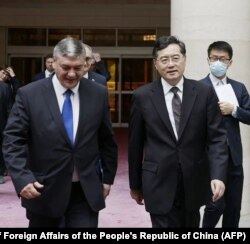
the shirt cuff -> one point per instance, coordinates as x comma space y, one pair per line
234, 112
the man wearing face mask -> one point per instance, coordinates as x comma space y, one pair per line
220, 55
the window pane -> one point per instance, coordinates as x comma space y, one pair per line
113, 103
55, 35
26, 37
136, 72
142, 38
126, 104
26, 67
99, 37
112, 64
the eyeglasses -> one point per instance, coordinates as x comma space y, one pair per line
166, 60
221, 59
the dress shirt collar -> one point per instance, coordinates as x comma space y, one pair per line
60, 89
166, 86
216, 80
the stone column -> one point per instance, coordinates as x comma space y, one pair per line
201, 22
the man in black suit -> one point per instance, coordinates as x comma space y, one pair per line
53, 163
177, 152
48, 71
99, 66
5, 106
220, 55
89, 74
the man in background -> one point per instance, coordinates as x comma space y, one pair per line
219, 59
5, 106
48, 71
88, 72
99, 66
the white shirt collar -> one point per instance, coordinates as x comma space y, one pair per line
216, 80
166, 86
61, 89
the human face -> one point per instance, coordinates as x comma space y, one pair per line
69, 70
3, 75
49, 64
88, 61
170, 63
220, 55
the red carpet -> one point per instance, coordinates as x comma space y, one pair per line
120, 211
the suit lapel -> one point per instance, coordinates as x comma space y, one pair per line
83, 101
188, 99
158, 99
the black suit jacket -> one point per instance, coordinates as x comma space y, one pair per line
39, 76
100, 79
36, 146
231, 123
155, 154
5, 105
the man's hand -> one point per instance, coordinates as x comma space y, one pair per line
137, 196
218, 189
106, 190
10, 71
226, 108
30, 191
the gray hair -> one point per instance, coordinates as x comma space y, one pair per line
69, 47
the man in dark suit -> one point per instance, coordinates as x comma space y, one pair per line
91, 75
220, 55
51, 155
5, 106
48, 71
177, 156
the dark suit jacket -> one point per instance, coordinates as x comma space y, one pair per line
39, 76
5, 105
231, 123
36, 146
100, 79
154, 152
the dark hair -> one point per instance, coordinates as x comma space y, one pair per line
48, 56
221, 46
165, 41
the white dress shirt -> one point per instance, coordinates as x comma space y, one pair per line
168, 99
60, 90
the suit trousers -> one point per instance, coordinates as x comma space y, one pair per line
78, 213
2, 164
230, 204
178, 216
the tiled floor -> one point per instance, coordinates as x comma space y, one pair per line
121, 210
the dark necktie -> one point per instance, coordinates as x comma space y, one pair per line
67, 115
176, 106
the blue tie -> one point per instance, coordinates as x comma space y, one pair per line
67, 115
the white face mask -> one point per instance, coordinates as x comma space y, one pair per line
218, 68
